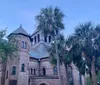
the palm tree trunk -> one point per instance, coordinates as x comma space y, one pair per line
93, 72
4, 73
91, 83
58, 62
80, 78
66, 68
84, 80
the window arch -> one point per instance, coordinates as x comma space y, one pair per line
49, 39
7, 74
23, 68
25, 45
13, 70
38, 36
45, 38
34, 39
44, 71
17, 42
31, 71
55, 72
34, 71
22, 44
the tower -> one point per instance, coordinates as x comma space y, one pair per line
40, 43
17, 68
39, 51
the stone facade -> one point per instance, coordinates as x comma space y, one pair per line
32, 58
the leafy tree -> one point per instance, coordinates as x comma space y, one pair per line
50, 21
7, 50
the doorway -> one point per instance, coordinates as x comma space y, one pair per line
43, 84
13, 82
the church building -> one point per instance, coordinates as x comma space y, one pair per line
32, 65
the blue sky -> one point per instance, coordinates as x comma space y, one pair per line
16, 12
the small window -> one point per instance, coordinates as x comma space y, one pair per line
49, 39
38, 37
22, 44
14, 70
55, 72
31, 71
25, 45
44, 71
17, 43
34, 72
7, 75
35, 39
45, 39
23, 68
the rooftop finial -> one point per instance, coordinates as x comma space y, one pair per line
20, 25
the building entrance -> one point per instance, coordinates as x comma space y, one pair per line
13, 82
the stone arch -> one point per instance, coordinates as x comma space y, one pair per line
43, 83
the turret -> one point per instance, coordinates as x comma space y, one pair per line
20, 38
18, 67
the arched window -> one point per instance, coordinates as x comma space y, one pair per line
44, 71
23, 68
17, 43
49, 39
38, 37
31, 71
25, 45
14, 70
34, 39
22, 44
34, 72
7, 75
55, 72
45, 39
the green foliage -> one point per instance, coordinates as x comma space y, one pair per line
50, 20
88, 80
6, 48
80, 48
64, 50
52, 50
98, 79
87, 48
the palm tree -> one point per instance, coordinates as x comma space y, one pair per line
88, 37
65, 54
50, 22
